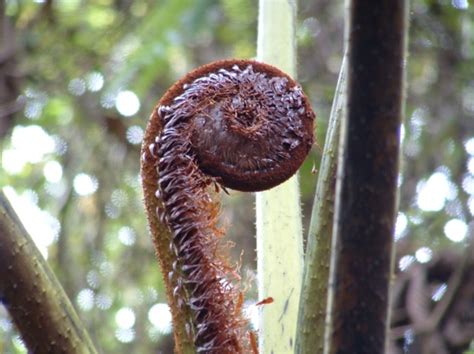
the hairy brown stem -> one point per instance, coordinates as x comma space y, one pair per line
233, 123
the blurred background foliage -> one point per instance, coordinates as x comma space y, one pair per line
78, 80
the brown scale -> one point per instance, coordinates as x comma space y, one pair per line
234, 123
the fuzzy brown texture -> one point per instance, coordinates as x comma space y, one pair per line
236, 123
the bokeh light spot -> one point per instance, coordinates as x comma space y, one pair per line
135, 135
53, 171
6, 325
405, 262
107, 100
455, 230
31, 143
468, 184
77, 86
119, 198
103, 302
125, 335
460, 4
112, 211
127, 235
470, 205
85, 299
400, 225
432, 194
251, 312
94, 81
160, 316
439, 292
41, 225
125, 318
423, 254
470, 165
85, 184
11, 163
469, 146
19, 345
33, 110
106, 269
93, 279
127, 103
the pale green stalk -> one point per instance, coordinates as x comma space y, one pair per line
279, 229
312, 312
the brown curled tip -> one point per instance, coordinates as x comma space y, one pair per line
236, 123
252, 124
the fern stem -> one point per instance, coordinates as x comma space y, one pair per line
279, 229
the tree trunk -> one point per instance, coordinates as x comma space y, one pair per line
367, 179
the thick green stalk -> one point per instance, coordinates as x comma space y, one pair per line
279, 229
312, 310
33, 296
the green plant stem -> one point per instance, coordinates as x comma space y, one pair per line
279, 229
312, 309
32, 294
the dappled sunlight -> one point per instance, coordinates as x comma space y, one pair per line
103, 302
125, 318
127, 103
135, 134
455, 230
77, 86
85, 78
160, 316
127, 236
400, 226
125, 335
439, 292
85, 184
433, 193
252, 312
41, 225
469, 146
29, 144
423, 254
85, 299
94, 81
405, 262
53, 171
460, 4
